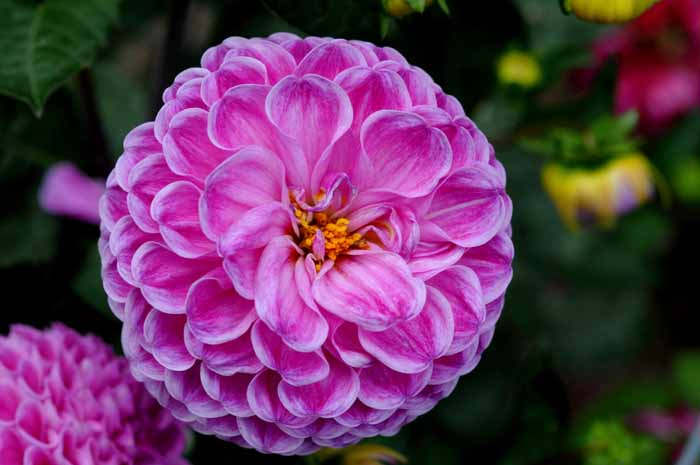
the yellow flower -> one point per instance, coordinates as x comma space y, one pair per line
607, 11
399, 8
520, 69
362, 454
599, 195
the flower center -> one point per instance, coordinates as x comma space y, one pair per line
323, 236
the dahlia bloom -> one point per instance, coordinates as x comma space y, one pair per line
308, 246
599, 195
658, 59
66, 191
67, 399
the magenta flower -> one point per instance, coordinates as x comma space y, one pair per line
659, 63
308, 246
67, 191
67, 399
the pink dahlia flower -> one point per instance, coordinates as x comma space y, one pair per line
308, 246
67, 399
659, 63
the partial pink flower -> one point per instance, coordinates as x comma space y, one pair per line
309, 245
67, 191
66, 398
658, 56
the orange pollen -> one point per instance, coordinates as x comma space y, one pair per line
336, 237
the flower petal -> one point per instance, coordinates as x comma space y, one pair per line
235, 71
165, 337
186, 387
327, 398
176, 210
311, 110
408, 157
492, 263
471, 206
187, 147
265, 403
229, 390
267, 437
256, 228
461, 287
215, 312
250, 178
165, 278
383, 388
375, 290
296, 368
277, 298
329, 59
411, 346
277, 60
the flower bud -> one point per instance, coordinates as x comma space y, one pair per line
598, 196
607, 11
519, 69
400, 8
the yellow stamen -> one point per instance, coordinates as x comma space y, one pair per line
337, 239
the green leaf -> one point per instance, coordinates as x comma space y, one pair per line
418, 5
45, 44
27, 238
443, 6
686, 373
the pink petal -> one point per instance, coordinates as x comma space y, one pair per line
370, 91
266, 437
360, 414
471, 206
187, 147
256, 228
235, 71
430, 258
229, 358
321, 428
411, 346
492, 263
277, 298
449, 367
182, 78
250, 178
420, 85
67, 191
125, 239
139, 143
187, 96
296, 368
345, 340
278, 61
327, 398
264, 401
186, 387
373, 290
383, 388
241, 268
112, 207
165, 336
229, 390
408, 157
176, 210
215, 312
165, 278
146, 179
461, 287
330, 59
311, 110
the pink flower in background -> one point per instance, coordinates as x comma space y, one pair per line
67, 191
659, 63
309, 245
66, 398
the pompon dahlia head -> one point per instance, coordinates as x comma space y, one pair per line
67, 399
308, 246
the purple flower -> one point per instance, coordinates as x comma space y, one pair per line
67, 191
308, 246
67, 399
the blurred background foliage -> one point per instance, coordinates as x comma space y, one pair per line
599, 325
